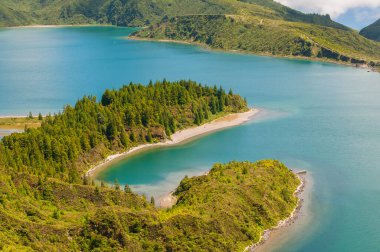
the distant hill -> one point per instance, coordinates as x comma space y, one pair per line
268, 36
142, 12
372, 31
257, 26
289, 14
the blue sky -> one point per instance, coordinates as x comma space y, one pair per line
353, 13
360, 17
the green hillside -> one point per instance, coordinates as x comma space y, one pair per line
223, 211
372, 31
267, 36
140, 12
257, 26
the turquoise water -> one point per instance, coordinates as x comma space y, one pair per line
320, 117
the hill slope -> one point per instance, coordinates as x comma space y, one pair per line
257, 26
267, 36
372, 31
141, 12
226, 210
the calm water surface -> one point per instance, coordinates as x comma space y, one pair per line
320, 117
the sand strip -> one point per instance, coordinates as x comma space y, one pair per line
183, 135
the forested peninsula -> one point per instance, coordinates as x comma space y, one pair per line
47, 202
67, 143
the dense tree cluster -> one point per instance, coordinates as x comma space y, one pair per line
67, 142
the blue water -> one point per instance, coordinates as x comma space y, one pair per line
320, 117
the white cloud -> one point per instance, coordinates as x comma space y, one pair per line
334, 8
367, 15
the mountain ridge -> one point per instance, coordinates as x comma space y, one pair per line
372, 31
267, 37
142, 12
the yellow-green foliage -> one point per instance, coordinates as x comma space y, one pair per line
267, 36
259, 26
143, 12
234, 203
223, 211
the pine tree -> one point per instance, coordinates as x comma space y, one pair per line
117, 185
124, 138
214, 108
148, 137
127, 189
152, 201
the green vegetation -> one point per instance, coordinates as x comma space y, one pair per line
19, 123
142, 12
267, 36
372, 31
48, 204
116, 12
68, 143
225, 210
257, 26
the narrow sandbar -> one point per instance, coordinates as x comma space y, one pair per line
182, 136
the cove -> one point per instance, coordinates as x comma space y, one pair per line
320, 117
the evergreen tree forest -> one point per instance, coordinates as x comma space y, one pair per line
68, 143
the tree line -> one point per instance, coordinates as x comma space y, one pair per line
68, 142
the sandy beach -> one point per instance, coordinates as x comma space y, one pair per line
182, 136
168, 200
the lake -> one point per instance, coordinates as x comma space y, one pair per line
320, 117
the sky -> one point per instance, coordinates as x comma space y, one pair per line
353, 13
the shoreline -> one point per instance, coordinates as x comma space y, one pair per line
206, 47
134, 38
17, 124
55, 26
168, 200
180, 137
269, 236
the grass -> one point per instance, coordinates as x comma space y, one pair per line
226, 210
268, 37
19, 123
